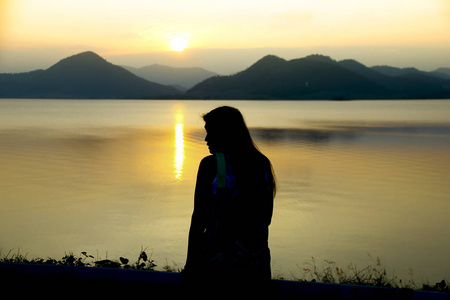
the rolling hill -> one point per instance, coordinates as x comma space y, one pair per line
81, 76
88, 76
183, 78
319, 77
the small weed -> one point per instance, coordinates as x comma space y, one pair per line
438, 287
372, 275
171, 269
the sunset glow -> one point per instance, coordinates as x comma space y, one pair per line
47, 30
178, 43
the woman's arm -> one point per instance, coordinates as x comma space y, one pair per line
205, 176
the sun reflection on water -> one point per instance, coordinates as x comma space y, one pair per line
179, 151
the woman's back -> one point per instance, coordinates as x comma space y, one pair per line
233, 204
236, 235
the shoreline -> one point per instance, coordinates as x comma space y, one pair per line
85, 269
47, 279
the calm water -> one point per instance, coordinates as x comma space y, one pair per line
357, 180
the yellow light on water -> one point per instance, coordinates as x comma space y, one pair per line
179, 151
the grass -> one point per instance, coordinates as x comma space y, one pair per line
143, 261
374, 274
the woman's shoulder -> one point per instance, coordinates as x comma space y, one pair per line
208, 160
207, 168
262, 159
208, 163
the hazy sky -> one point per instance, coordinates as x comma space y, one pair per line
224, 35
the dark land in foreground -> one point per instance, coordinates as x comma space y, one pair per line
315, 77
84, 275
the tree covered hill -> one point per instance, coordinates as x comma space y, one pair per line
85, 75
88, 76
318, 77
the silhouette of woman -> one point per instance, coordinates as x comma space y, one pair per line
233, 204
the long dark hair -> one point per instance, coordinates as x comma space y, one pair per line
229, 123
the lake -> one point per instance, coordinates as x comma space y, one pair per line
357, 180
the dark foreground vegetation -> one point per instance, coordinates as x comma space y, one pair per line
373, 275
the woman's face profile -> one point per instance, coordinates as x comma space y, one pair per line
213, 140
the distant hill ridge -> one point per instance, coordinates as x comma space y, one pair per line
184, 77
445, 71
85, 76
320, 77
89, 76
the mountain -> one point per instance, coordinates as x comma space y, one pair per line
88, 76
182, 78
312, 77
82, 76
319, 77
403, 83
443, 72
395, 72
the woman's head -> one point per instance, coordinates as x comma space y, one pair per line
227, 131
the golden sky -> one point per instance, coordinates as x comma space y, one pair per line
119, 28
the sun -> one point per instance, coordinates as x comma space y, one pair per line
178, 43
